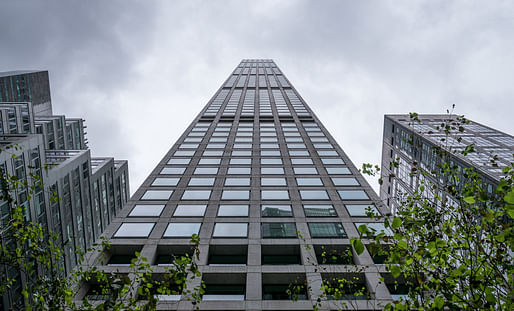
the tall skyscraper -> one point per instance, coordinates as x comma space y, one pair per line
268, 190
34, 141
412, 144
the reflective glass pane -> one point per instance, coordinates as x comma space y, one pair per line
239, 170
361, 210
184, 210
326, 230
157, 195
345, 181
272, 170
179, 161
230, 230
325, 210
213, 153
130, 229
300, 161
201, 181
353, 195
313, 195
233, 210
305, 170
271, 161
162, 181
327, 153
275, 195
375, 228
278, 230
270, 152
338, 170
332, 161
269, 210
209, 161
196, 195
142, 210
182, 229
309, 182
235, 195
173, 170
273, 182
206, 171
242, 153
184, 153
241, 161
237, 182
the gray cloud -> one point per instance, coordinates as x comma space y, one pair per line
138, 72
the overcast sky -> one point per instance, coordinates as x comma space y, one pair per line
138, 72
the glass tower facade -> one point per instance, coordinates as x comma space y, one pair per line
267, 189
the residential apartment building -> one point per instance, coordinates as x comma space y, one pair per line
91, 191
268, 190
412, 144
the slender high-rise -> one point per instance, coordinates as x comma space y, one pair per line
268, 190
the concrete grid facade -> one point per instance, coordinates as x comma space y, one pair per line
255, 167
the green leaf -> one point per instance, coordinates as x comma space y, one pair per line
438, 303
397, 222
395, 271
469, 200
402, 244
509, 198
358, 246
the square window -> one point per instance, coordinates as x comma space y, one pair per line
201, 182
209, 161
296, 146
332, 161
270, 152
269, 146
173, 170
299, 153
273, 182
270, 161
134, 230
275, 195
323, 146
295, 161
233, 210
314, 195
361, 210
239, 170
215, 146
188, 146
206, 171
196, 195
309, 182
325, 210
230, 230
305, 170
322, 153
241, 161
353, 195
192, 210
269, 210
182, 153
237, 182
338, 170
213, 153
272, 170
345, 181
374, 228
242, 146
278, 230
326, 230
235, 195
241, 153
182, 229
157, 195
143, 210
179, 161
163, 181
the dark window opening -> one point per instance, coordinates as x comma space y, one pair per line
281, 255
334, 254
